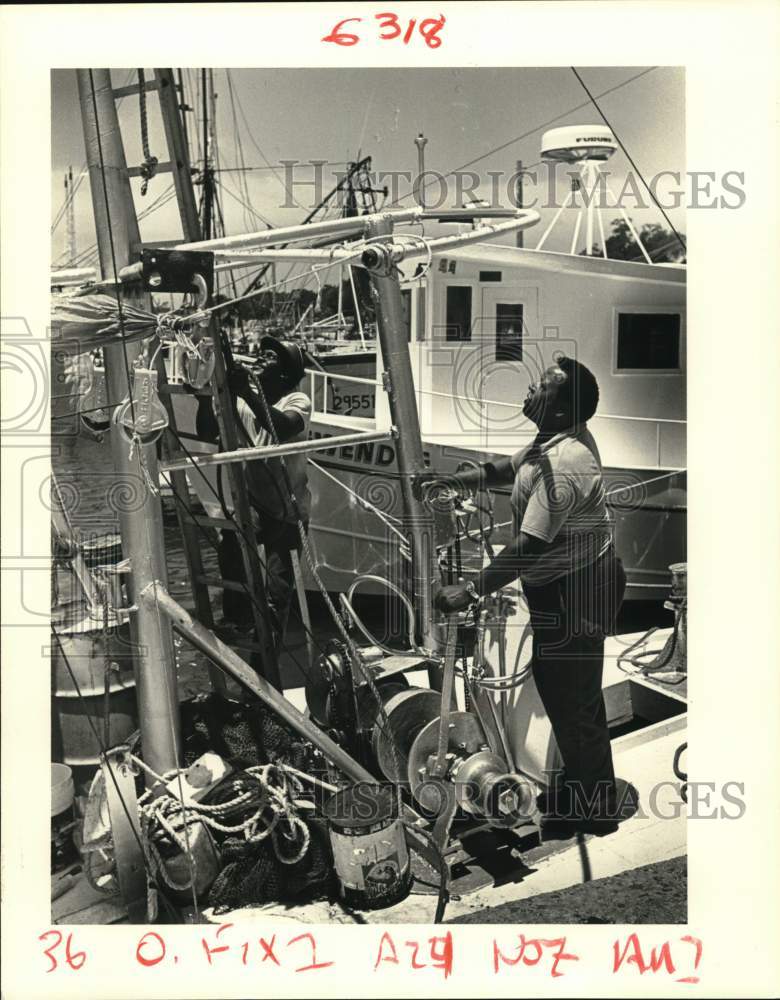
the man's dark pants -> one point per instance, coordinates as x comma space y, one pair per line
278, 538
570, 617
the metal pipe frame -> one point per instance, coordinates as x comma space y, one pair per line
419, 524
290, 234
274, 450
72, 276
141, 525
352, 225
522, 220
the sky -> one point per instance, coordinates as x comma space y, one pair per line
466, 114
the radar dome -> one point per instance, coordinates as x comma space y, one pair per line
573, 143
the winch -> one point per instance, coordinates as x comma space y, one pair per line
341, 699
448, 760
484, 786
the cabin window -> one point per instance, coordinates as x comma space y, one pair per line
648, 341
509, 331
490, 276
458, 321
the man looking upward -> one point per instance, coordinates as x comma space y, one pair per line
573, 581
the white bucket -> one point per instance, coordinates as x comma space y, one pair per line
62, 791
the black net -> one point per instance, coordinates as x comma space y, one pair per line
253, 873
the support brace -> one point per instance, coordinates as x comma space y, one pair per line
224, 657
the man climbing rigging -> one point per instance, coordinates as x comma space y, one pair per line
278, 487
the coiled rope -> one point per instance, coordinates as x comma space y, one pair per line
266, 790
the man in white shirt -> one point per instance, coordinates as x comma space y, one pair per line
278, 487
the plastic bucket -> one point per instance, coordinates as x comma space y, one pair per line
62, 791
369, 845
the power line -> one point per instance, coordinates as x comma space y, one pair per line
630, 160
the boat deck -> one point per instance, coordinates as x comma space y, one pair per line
643, 751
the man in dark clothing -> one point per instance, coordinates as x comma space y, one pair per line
278, 487
272, 483
572, 579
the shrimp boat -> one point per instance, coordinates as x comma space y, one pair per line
461, 335
483, 322
470, 402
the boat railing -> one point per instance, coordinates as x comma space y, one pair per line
660, 422
325, 377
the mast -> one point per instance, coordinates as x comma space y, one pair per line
206, 224
141, 520
419, 186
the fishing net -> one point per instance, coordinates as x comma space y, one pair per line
245, 735
232, 730
254, 873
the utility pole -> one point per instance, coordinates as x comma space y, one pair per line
140, 520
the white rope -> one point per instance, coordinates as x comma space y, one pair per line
171, 814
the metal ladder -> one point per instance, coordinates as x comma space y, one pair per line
193, 526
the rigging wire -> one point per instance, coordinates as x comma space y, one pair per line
231, 517
162, 199
68, 199
265, 159
382, 717
525, 135
253, 600
628, 156
239, 154
245, 205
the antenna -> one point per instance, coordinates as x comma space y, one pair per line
587, 147
70, 216
418, 189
